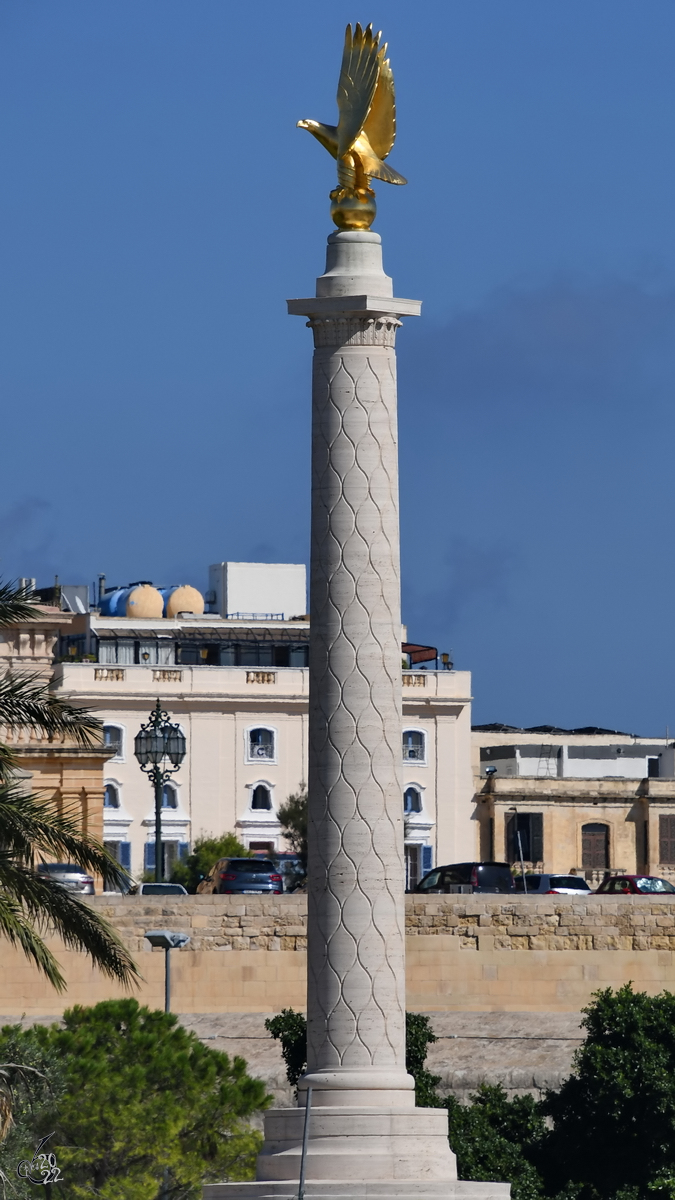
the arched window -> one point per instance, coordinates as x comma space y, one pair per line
414, 749
169, 796
260, 797
595, 846
113, 740
111, 796
261, 743
412, 800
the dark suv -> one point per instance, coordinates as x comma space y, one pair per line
242, 876
467, 877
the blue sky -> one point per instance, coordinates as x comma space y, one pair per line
157, 206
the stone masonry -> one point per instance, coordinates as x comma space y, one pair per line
276, 923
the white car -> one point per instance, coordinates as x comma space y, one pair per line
551, 885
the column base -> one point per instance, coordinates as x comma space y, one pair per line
387, 1189
360, 1143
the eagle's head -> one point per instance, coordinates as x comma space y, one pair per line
326, 134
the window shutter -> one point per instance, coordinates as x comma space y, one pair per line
149, 856
667, 840
427, 858
183, 849
537, 837
125, 855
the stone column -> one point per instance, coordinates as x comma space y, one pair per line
366, 1138
356, 919
364, 1123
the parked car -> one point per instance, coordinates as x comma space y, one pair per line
70, 876
242, 876
160, 889
556, 885
467, 877
633, 885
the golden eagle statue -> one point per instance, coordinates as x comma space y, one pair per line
365, 131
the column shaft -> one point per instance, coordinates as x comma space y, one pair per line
356, 972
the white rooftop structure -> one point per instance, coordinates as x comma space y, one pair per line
258, 591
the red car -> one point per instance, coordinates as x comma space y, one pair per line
633, 885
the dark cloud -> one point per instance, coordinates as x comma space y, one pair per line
27, 539
564, 342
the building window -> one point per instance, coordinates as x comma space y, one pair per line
595, 847
111, 796
414, 747
413, 867
667, 841
525, 834
260, 797
261, 744
172, 852
121, 852
113, 740
169, 796
412, 800
653, 768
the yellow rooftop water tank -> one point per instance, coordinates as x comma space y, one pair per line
145, 602
185, 599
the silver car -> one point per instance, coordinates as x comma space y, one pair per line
70, 876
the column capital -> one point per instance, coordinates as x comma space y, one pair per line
350, 330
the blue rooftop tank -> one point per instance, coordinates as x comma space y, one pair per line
114, 604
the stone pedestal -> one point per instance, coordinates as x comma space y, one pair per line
366, 1136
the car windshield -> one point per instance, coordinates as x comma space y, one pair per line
431, 880
569, 881
645, 884
254, 866
534, 883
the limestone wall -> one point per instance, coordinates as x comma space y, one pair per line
464, 954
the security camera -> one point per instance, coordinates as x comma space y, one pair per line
490, 770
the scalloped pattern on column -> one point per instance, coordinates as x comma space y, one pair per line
356, 984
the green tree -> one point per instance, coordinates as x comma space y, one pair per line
206, 852
30, 830
497, 1139
614, 1117
31, 1084
418, 1037
145, 1105
293, 819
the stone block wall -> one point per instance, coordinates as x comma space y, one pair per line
248, 954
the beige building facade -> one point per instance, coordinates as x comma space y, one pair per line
238, 687
65, 775
589, 800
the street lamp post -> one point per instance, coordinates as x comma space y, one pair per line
168, 940
155, 742
520, 847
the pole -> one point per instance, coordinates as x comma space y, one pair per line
305, 1139
522, 862
159, 788
167, 979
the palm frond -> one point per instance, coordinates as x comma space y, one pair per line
34, 904
29, 826
15, 605
26, 701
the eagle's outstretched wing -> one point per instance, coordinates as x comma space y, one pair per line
380, 123
361, 63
